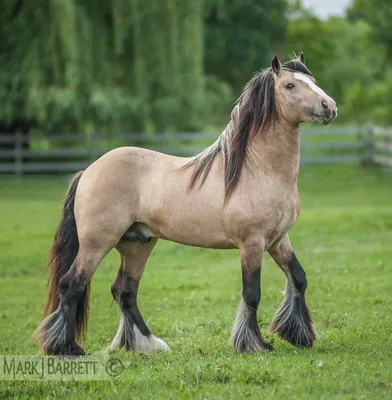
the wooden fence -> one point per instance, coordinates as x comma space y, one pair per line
380, 151
70, 153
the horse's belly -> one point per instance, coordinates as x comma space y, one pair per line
196, 234
207, 241
189, 226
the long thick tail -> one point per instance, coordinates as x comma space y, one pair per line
64, 251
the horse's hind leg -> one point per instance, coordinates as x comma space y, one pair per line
133, 333
293, 320
58, 332
95, 217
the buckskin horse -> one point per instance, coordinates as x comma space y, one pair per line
241, 192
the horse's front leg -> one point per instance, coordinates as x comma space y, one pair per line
245, 335
293, 320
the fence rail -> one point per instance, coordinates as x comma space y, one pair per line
381, 140
70, 153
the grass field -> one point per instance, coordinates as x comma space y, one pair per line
343, 240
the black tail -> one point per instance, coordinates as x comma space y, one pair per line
64, 251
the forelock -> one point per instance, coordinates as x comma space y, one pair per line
297, 66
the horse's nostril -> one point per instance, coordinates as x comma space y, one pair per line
324, 104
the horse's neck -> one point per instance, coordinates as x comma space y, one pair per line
277, 151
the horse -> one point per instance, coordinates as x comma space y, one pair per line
239, 193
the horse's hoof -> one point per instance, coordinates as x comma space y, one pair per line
68, 350
255, 345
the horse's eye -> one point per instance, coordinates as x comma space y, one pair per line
290, 86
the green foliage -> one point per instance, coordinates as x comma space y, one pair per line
220, 100
119, 65
374, 95
378, 14
241, 37
380, 98
357, 102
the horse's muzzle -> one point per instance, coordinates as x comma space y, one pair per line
326, 117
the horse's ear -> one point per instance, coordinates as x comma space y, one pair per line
275, 64
301, 57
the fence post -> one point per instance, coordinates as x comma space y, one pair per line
368, 158
18, 153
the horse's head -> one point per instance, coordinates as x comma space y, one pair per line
298, 98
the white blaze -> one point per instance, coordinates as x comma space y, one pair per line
311, 84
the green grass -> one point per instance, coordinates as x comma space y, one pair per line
343, 240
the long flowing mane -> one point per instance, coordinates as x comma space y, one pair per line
253, 113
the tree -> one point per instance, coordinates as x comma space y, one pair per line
377, 94
108, 65
378, 13
241, 37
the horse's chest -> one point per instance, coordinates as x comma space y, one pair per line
288, 218
269, 217
286, 215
